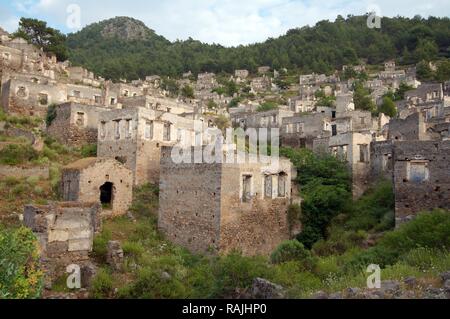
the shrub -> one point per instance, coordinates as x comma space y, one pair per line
235, 271
89, 150
428, 230
20, 276
151, 284
133, 249
100, 246
293, 250
16, 154
102, 285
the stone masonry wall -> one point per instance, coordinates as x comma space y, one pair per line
189, 206
65, 232
413, 195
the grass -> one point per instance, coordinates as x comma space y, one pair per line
155, 268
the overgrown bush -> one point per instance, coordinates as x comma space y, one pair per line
16, 154
102, 285
428, 230
20, 276
293, 250
89, 150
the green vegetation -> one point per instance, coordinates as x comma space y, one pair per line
362, 99
322, 48
20, 276
38, 33
155, 268
16, 154
388, 107
267, 106
324, 182
187, 92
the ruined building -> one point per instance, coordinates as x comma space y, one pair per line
218, 208
75, 124
99, 180
134, 136
66, 233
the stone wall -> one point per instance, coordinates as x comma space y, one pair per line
203, 208
82, 180
65, 232
75, 124
422, 177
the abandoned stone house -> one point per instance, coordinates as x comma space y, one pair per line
158, 104
32, 96
99, 180
301, 130
134, 136
421, 177
66, 233
75, 124
218, 208
268, 119
427, 92
206, 81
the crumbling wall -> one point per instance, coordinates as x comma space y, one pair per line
65, 232
189, 204
422, 177
82, 181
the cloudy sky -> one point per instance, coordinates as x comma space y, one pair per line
228, 22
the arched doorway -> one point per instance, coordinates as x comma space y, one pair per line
107, 195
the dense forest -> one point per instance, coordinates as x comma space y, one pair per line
322, 48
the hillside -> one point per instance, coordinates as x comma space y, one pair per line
125, 48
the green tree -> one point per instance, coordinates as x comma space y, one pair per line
388, 107
443, 71
188, 92
324, 183
38, 33
424, 72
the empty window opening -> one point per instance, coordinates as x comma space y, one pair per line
419, 172
97, 99
149, 130
117, 129
106, 195
363, 153
268, 186
167, 132
282, 178
129, 128
102, 130
246, 188
334, 130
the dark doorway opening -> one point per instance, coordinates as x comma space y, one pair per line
106, 195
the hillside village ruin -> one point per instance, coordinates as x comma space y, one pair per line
217, 207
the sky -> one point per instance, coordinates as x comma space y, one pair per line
227, 22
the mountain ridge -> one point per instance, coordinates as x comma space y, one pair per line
124, 47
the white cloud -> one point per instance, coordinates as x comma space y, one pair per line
228, 22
